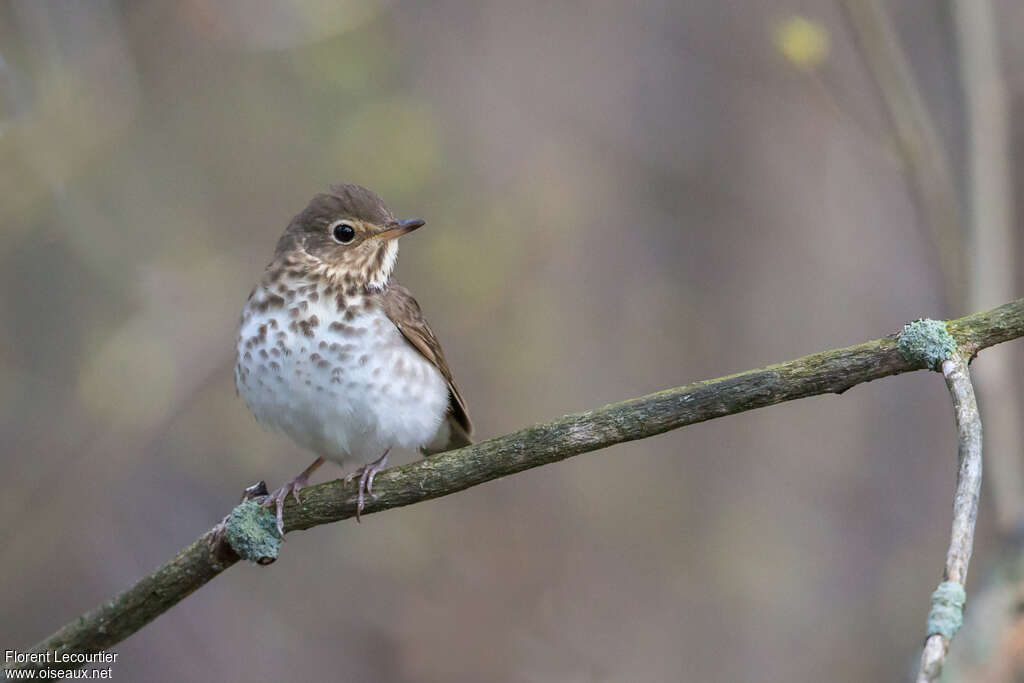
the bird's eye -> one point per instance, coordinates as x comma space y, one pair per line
343, 233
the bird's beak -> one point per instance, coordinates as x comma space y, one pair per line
399, 228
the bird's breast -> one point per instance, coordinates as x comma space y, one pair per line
335, 374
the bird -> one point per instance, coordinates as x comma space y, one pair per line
335, 354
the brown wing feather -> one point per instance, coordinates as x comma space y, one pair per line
402, 309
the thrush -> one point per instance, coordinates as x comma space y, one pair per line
336, 355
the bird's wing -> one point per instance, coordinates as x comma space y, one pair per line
402, 309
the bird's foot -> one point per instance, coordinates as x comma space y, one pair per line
278, 497
366, 473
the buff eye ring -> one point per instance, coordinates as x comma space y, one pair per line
343, 233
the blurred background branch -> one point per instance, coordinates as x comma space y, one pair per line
833, 371
990, 245
991, 645
931, 178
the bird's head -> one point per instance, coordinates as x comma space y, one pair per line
350, 233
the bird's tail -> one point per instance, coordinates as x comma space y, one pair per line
450, 435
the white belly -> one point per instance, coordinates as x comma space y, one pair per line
349, 390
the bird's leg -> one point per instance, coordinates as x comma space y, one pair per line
293, 487
366, 473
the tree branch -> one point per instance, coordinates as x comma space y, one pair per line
946, 613
832, 371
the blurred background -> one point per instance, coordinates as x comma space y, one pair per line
621, 197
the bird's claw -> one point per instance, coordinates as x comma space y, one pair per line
278, 498
366, 473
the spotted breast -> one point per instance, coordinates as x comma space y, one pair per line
334, 373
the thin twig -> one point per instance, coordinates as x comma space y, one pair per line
965, 513
832, 371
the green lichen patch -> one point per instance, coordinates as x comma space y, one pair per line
926, 342
251, 530
947, 613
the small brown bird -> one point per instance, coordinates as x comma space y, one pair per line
335, 354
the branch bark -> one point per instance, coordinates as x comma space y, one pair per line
832, 371
946, 614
